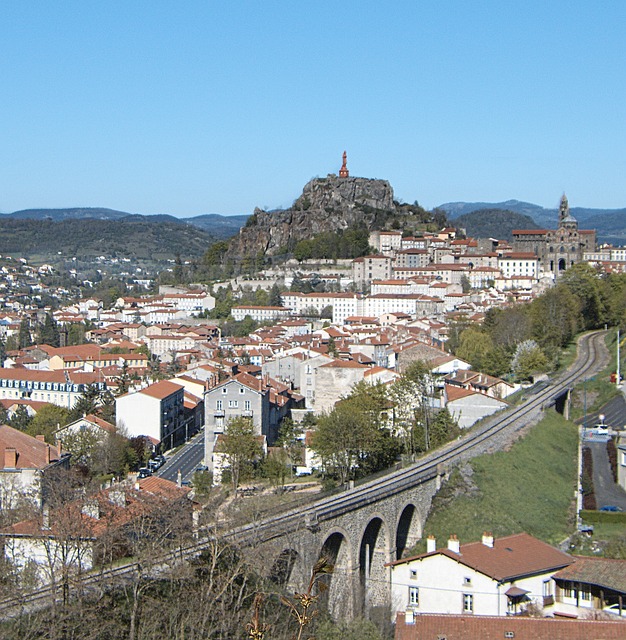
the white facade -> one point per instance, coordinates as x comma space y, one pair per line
259, 314
519, 264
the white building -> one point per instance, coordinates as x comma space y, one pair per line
519, 264
156, 411
494, 577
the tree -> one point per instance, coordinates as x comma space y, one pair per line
474, 345
48, 420
20, 418
76, 333
275, 297
240, 447
277, 466
584, 282
49, 332
24, 337
409, 395
354, 438
528, 360
554, 318
88, 402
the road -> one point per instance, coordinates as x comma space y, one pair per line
614, 413
606, 490
185, 460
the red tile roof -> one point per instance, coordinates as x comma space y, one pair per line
31, 452
509, 558
452, 627
161, 389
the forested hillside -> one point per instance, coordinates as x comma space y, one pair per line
130, 237
493, 223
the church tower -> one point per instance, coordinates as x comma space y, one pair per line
343, 172
566, 219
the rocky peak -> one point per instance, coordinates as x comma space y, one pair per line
326, 204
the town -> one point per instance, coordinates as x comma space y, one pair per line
299, 378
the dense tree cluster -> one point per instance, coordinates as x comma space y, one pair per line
375, 425
521, 340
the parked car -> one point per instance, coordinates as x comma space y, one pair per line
614, 608
610, 507
144, 472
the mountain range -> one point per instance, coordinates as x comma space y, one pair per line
610, 224
219, 226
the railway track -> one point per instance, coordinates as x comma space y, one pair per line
590, 359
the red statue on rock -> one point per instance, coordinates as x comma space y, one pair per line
343, 172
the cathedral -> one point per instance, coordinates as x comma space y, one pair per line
557, 249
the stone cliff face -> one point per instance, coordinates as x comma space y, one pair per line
326, 204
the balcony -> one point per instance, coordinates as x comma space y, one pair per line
218, 413
548, 601
247, 413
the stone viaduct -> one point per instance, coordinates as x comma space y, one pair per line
358, 531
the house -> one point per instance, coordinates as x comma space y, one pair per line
493, 577
72, 538
89, 426
592, 584
24, 463
157, 411
467, 406
334, 380
265, 401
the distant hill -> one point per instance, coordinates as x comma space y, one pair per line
493, 223
77, 213
134, 237
219, 226
610, 224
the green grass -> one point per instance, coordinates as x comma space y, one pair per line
528, 488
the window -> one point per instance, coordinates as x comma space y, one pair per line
467, 580
547, 588
413, 574
242, 390
224, 390
247, 405
414, 596
233, 404
468, 603
219, 405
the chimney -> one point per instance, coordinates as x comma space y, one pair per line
10, 458
41, 438
431, 544
137, 486
45, 517
488, 539
91, 509
454, 544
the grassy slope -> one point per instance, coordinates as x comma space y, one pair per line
528, 488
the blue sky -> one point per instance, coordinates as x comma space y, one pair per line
217, 107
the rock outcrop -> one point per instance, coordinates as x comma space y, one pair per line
326, 204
